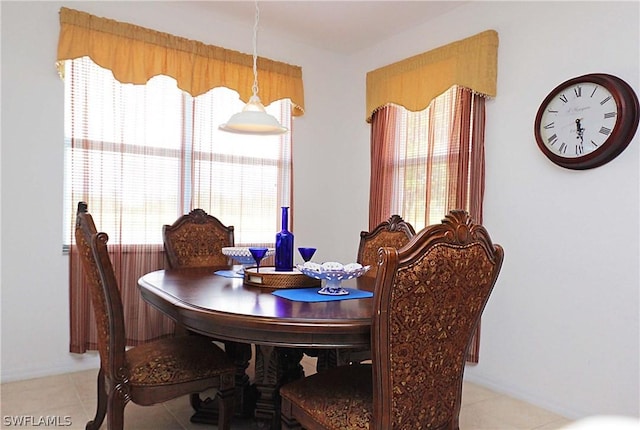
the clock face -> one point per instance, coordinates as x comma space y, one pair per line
578, 120
587, 121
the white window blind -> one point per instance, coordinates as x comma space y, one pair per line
142, 155
421, 162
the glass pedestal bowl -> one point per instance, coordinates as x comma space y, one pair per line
332, 274
242, 255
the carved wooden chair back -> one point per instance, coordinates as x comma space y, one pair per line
394, 232
150, 373
103, 290
428, 299
196, 240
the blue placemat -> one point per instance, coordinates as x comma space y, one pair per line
311, 295
229, 274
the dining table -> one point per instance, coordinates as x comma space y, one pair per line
216, 303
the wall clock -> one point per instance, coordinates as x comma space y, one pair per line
587, 121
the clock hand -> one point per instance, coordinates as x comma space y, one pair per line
579, 130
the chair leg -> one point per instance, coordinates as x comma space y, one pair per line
101, 408
287, 421
115, 410
196, 401
226, 406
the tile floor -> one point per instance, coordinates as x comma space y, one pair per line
72, 397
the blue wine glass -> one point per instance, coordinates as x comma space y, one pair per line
258, 254
307, 253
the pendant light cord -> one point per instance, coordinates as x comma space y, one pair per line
254, 119
254, 88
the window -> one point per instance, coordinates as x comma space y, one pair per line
142, 155
421, 161
435, 157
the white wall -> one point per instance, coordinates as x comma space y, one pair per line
561, 329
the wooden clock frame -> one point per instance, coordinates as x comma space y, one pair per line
621, 135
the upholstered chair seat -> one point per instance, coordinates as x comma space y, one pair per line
331, 403
174, 361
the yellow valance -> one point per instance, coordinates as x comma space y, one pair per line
136, 54
415, 81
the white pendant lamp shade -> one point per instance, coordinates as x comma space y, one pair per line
254, 119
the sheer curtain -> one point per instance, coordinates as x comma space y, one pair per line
385, 134
142, 155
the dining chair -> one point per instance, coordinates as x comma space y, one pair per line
196, 240
150, 373
394, 232
428, 299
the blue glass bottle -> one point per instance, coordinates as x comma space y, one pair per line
284, 245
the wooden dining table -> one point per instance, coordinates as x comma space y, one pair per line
227, 309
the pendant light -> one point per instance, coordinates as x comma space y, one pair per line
254, 119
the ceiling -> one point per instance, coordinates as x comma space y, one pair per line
338, 26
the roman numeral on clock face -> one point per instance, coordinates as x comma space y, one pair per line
563, 148
604, 130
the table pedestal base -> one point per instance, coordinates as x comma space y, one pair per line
206, 410
274, 367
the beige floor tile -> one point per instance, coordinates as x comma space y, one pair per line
33, 400
309, 365
89, 405
517, 413
181, 410
473, 393
154, 417
477, 416
74, 414
86, 384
